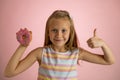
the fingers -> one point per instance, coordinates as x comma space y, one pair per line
95, 41
30, 32
30, 35
94, 33
90, 43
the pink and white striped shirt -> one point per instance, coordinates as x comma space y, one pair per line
58, 65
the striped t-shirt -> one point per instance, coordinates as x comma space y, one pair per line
58, 65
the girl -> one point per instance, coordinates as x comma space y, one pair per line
58, 57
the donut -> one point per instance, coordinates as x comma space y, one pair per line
23, 36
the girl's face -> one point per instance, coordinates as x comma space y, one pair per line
59, 31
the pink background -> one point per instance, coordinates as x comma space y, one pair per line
87, 15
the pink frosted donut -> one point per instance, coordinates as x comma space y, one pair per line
23, 37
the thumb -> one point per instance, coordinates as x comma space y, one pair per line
30, 32
94, 33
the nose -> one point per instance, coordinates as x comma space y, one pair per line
59, 34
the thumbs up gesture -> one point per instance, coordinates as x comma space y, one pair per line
95, 41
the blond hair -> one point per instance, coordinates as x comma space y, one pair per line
73, 40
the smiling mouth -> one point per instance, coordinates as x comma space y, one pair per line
58, 40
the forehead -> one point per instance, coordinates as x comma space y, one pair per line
59, 23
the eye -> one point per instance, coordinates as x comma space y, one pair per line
54, 30
64, 30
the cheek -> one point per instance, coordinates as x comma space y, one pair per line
51, 36
67, 35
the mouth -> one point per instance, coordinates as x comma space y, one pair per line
58, 40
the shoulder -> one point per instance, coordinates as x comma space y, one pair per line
75, 50
37, 52
82, 52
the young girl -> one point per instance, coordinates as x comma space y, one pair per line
58, 57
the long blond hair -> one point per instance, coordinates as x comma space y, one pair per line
73, 40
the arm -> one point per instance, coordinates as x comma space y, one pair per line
16, 66
96, 42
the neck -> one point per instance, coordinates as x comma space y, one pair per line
58, 49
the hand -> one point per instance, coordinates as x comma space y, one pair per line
24, 37
95, 41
